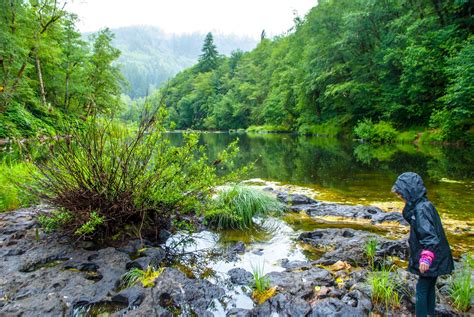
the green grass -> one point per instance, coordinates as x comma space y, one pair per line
384, 289
236, 205
268, 128
370, 251
260, 281
330, 128
462, 288
407, 136
13, 196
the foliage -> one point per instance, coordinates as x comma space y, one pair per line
47, 72
54, 220
209, 57
381, 132
110, 177
462, 288
267, 129
407, 64
384, 288
147, 277
13, 196
236, 205
370, 251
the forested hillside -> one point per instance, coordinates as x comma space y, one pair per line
48, 73
150, 56
404, 65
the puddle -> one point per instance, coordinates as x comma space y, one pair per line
48, 262
102, 308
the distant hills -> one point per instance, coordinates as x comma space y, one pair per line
151, 56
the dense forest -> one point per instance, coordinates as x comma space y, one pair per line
150, 56
386, 66
49, 73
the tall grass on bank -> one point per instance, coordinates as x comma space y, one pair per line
384, 288
132, 180
462, 288
236, 205
12, 195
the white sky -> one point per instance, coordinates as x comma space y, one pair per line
242, 17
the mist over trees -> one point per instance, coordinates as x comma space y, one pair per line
150, 56
405, 64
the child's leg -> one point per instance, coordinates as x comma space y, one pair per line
432, 297
423, 289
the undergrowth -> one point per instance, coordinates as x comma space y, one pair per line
461, 288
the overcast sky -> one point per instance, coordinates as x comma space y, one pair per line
242, 17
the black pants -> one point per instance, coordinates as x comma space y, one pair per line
425, 296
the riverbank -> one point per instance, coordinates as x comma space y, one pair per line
313, 257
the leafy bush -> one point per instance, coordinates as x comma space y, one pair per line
330, 129
462, 288
110, 178
381, 132
13, 196
384, 288
235, 207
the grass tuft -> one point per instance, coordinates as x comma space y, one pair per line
462, 288
261, 285
370, 251
147, 277
235, 207
384, 288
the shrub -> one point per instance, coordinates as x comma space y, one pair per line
462, 288
111, 179
331, 129
381, 132
268, 129
384, 288
236, 205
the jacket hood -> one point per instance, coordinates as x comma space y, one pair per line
411, 187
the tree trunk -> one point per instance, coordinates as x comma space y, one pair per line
40, 79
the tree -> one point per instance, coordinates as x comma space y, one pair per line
208, 60
103, 76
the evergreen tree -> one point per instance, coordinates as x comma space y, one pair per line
208, 60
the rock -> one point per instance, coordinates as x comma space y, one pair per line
334, 307
174, 291
374, 214
240, 276
358, 300
239, 312
282, 305
300, 283
295, 265
348, 245
295, 199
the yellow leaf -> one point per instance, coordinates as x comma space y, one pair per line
260, 297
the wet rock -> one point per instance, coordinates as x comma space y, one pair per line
358, 300
282, 305
240, 276
175, 291
374, 214
295, 265
238, 247
295, 199
300, 283
239, 312
334, 307
133, 296
348, 245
